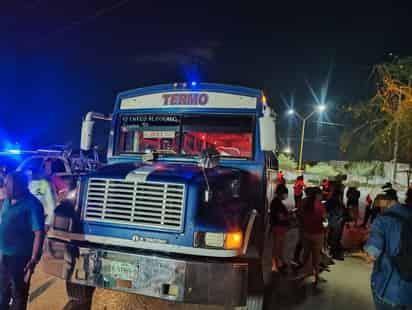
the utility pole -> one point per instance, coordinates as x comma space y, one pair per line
302, 139
320, 108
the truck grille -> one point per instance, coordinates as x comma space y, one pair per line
148, 204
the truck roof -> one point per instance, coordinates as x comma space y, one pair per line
188, 87
241, 90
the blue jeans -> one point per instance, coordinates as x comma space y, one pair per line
12, 284
382, 305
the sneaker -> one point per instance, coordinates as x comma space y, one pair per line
296, 263
300, 276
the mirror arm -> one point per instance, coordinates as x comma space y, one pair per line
90, 116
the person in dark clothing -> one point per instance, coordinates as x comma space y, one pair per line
296, 261
352, 203
408, 199
280, 222
371, 211
337, 217
21, 240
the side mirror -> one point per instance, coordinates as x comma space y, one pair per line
87, 133
267, 131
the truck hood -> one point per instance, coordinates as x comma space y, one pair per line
160, 171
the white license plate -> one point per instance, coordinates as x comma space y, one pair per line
123, 271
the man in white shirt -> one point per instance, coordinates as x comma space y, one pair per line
40, 187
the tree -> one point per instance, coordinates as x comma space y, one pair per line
286, 162
322, 169
375, 122
366, 169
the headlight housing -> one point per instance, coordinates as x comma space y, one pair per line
218, 240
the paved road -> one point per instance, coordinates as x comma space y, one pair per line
346, 287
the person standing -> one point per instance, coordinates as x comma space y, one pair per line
298, 188
337, 217
21, 241
59, 186
352, 203
313, 214
391, 246
41, 188
325, 189
280, 179
408, 199
280, 223
371, 211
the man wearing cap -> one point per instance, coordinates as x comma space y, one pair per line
21, 240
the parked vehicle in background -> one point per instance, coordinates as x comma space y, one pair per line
64, 164
179, 211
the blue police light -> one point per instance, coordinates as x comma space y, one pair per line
14, 151
193, 83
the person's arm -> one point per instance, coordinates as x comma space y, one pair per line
37, 245
49, 205
37, 223
376, 241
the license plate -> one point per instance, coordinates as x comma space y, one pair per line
123, 271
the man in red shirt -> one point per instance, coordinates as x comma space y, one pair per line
313, 215
281, 178
298, 190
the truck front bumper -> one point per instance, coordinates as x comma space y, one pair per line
182, 279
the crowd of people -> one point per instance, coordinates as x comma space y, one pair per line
27, 202
321, 213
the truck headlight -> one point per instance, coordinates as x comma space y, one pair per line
214, 240
228, 241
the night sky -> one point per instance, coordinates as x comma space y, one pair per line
60, 59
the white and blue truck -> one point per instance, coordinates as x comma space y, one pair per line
179, 211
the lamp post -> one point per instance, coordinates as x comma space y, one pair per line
287, 150
319, 108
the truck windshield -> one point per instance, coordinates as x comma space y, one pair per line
179, 134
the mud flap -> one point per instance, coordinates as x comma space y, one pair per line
80, 296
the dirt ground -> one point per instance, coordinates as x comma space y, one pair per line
345, 286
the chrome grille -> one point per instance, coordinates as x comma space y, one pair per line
147, 204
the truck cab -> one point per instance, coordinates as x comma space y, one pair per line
179, 211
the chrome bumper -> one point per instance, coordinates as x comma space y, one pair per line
197, 281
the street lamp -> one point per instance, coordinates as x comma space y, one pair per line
287, 150
319, 108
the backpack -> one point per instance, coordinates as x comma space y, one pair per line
403, 261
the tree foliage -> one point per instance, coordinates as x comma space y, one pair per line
374, 122
367, 169
321, 169
286, 162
